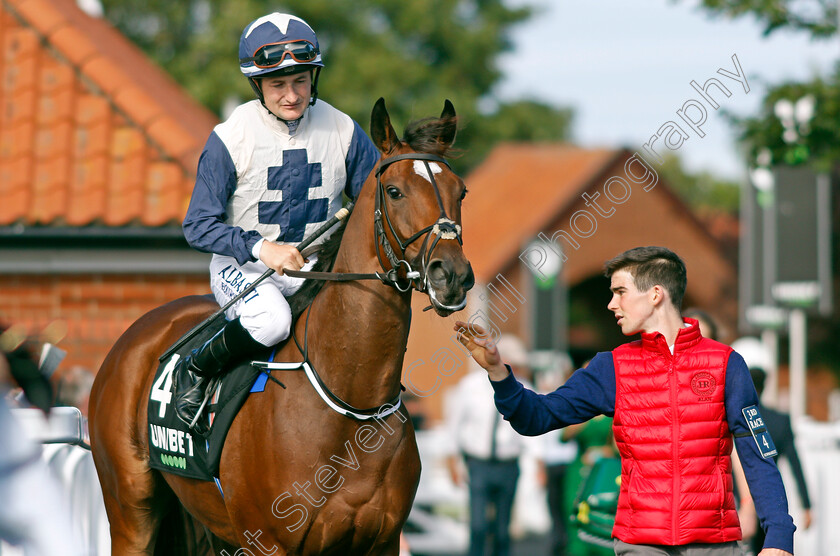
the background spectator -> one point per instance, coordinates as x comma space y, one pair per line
490, 448
779, 426
73, 388
34, 511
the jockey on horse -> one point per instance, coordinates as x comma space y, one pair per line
268, 176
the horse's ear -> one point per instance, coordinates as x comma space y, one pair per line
447, 135
381, 131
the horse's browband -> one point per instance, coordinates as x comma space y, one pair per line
409, 156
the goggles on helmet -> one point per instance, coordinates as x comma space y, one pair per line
272, 55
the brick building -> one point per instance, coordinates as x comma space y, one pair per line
98, 150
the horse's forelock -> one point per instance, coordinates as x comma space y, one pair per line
423, 136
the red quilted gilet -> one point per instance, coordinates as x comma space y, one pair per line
670, 427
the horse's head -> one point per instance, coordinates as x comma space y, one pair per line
418, 208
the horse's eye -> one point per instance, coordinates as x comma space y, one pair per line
464, 194
394, 193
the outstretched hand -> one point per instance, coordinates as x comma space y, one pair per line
482, 349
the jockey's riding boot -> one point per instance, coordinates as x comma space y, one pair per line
230, 345
218, 355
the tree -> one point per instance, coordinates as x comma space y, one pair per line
702, 191
817, 17
414, 54
787, 142
769, 137
528, 121
817, 143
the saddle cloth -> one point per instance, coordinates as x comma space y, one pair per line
172, 448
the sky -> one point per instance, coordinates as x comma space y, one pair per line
626, 68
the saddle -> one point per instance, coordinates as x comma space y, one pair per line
172, 446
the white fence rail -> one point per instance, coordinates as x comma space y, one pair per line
72, 466
818, 445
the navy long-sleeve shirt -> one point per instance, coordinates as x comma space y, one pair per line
591, 392
779, 427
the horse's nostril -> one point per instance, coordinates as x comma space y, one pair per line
469, 280
442, 274
438, 273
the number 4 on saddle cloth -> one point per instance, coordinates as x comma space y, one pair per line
172, 448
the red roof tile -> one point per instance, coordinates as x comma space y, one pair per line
16, 140
92, 140
73, 44
91, 131
169, 134
15, 187
56, 77
53, 141
88, 190
18, 108
141, 106
49, 195
20, 43
108, 75
56, 106
127, 141
40, 14
164, 192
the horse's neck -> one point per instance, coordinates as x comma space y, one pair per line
359, 330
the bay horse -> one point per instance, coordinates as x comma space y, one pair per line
297, 477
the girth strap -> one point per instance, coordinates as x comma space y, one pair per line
334, 402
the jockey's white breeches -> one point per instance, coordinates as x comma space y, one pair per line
264, 313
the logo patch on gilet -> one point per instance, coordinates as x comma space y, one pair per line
171, 446
703, 384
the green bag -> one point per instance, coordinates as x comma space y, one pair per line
597, 502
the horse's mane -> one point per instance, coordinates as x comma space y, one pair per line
423, 137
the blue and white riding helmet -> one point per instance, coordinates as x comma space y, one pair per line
279, 44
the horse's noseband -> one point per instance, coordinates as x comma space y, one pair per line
444, 228
447, 229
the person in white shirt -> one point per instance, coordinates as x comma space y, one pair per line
557, 457
490, 449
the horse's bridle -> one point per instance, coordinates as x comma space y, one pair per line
444, 228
